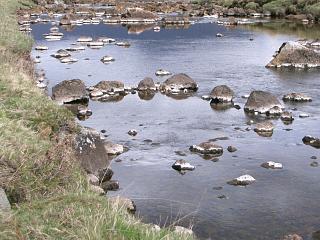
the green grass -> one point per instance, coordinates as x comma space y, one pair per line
38, 169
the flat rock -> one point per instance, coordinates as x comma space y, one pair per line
69, 91
261, 102
272, 165
207, 148
296, 97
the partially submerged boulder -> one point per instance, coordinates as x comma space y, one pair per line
109, 86
179, 82
207, 148
264, 129
296, 55
69, 91
272, 165
61, 54
147, 84
139, 14
221, 94
261, 102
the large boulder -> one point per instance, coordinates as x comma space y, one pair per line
92, 154
221, 94
296, 55
147, 84
262, 102
179, 82
69, 91
139, 14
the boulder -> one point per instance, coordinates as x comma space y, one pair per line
296, 55
221, 94
261, 102
109, 86
110, 185
69, 91
312, 141
147, 84
139, 14
104, 174
287, 116
264, 129
61, 54
207, 148
113, 148
107, 59
182, 165
91, 152
179, 82
242, 180
296, 97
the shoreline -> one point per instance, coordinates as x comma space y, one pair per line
41, 173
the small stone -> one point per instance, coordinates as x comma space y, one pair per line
304, 115
242, 180
132, 132
314, 164
103, 131
313, 157
222, 197
272, 165
182, 165
232, 149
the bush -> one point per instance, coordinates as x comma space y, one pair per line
252, 6
278, 7
314, 10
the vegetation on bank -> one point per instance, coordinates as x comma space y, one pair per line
42, 178
277, 8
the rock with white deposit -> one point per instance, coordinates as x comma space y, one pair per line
162, 72
296, 97
182, 165
107, 59
41, 48
113, 148
261, 102
242, 180
272, 165
207, 148
85, 39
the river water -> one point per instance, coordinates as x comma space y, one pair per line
279, 202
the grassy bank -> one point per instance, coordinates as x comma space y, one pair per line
277, 8
42, 178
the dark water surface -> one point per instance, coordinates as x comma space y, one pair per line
278, 203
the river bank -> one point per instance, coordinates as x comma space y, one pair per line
48, 190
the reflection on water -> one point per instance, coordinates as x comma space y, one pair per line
279, 202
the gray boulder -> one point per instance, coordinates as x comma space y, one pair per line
296, 55
69, 91
179, 82
207, 148
261, 102
296, 97
109, 86
221, 94
147, 84
312, 141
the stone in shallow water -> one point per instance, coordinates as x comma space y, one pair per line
221, 93
312, 141
147, 84
61, 54
261, 102
41, 48
4, 203
296, 97
272, 165
132, 132
182, 165
178, 83
107, 59
242, 180
162, 72
264, 128
206, 148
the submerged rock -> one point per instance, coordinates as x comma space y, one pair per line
242, 180
272, 165
85, 39
296, 97
182, 165
68, 60
264, 129
221, 94
232, 149
261, 102
179, 82
69, 91
207, 148
139, 15
312, 141
296, 55
123, 44
147, 84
